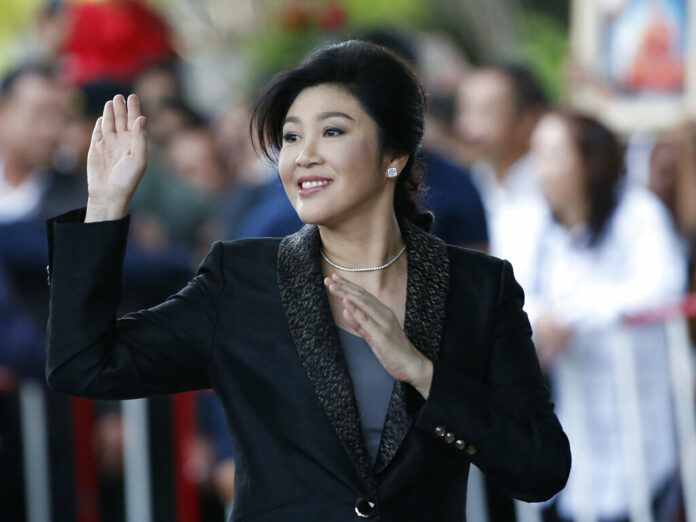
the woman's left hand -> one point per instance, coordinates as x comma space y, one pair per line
379, 326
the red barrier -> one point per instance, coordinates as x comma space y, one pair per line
85, 460
8, 380
685, 308
184, 434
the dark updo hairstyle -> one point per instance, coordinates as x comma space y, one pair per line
602, 157
386, 88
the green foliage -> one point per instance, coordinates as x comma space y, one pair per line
544, 48
278, 49
298, 27
16, 17
380, 12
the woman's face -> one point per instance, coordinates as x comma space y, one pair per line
330, 162
558, 164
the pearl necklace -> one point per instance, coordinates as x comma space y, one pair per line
345, 269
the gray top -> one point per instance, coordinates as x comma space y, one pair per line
372, 385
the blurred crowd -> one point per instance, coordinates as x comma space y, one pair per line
596, 226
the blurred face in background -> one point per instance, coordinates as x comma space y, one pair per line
193, 154
487, 115
231, 131
31, 120
664, 171
559, 167
330, 163
75, 137
164, 124
154, 86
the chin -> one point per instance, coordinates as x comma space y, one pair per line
317, 216
331, 211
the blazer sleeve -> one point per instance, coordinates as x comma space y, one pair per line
91, 353
505, 426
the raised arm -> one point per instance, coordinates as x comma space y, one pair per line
90, 352
161, 350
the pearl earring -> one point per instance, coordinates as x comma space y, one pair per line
391, 172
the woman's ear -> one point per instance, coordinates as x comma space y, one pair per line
394, 164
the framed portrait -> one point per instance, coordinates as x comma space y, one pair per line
634, 62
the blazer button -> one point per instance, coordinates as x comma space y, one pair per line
459, 444
449, 438
364, 508
471, 449
440, 431
48, 275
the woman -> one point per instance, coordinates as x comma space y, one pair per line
608, 249
362, 363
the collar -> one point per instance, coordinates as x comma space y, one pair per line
316, 338
520, 178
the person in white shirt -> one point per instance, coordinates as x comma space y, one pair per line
607, 249
31, 119
498, 108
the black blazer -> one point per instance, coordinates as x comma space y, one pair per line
255, 325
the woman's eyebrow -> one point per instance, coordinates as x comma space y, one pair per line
320, 116
324, 115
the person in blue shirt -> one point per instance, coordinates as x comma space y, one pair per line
455, 202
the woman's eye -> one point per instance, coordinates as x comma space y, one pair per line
332, 132
290, 137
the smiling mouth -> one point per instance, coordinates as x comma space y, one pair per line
310, 187
313, 184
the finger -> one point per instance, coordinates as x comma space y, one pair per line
359, 314
139, 138
342, 279
97, 132
355, 325
133, 110
352, 288
367, 324
368, 301
341, 287
348, 286
120, 118
107, 124
334, 287
371, 306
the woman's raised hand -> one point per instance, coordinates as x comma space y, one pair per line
116, 160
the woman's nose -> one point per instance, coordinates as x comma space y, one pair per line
309, 154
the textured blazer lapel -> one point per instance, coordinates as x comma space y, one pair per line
426, 301
314, 332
